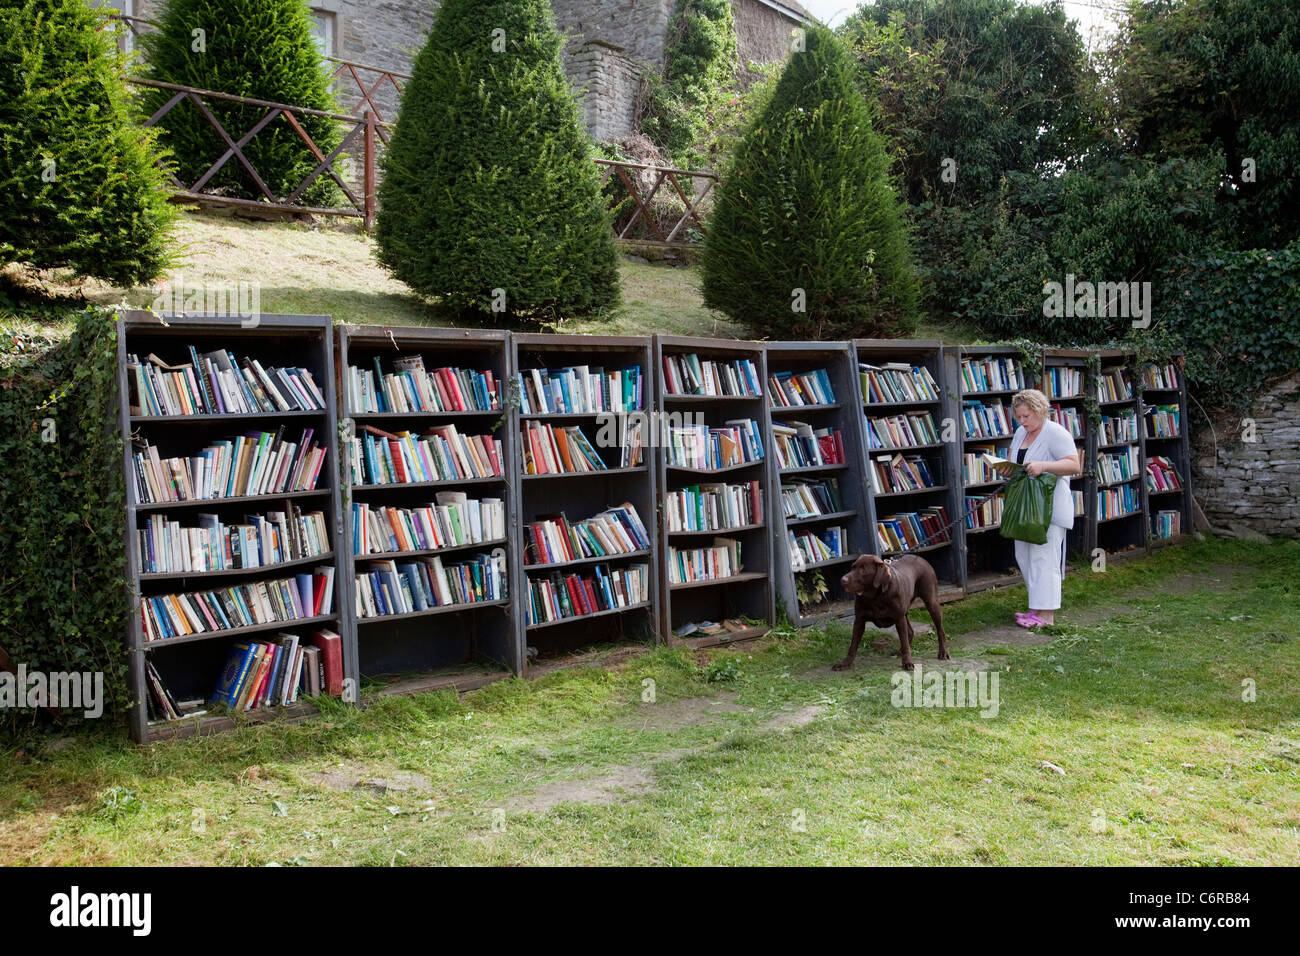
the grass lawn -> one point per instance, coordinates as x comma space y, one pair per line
330, 269
1122, 737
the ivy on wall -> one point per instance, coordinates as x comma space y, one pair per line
63, 604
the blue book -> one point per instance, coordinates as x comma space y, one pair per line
233, 674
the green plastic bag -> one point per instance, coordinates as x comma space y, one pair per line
1027, 511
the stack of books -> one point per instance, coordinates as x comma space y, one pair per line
1116, 429
1069, 418
385, 588
902, 431
1162, 421
553, 540
982, 513
689, 375
411, 388
897, 382
1166, 524
992, 375
1113, 386
975, 470
1117, 502
275, 673
807, 547
1160, 376
241, 605
714, 507
719, 560
441, 454
551, 450
452, 520
901, 473
579, 389
703, 448
992, 420
260, 463
165, 546
1162, 476
215, 383
1118, 466
1063, 382
911, 530
798, 445
796, 390
579, 595
802, 498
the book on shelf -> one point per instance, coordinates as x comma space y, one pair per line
807, 498
799, 445
1069, 418
720, 560
258, 463
1118, 466
983, 512
974, 471
1118, 501
580, 389
411, 388
385, 588
896, 382
901, 431
452, 520
1078, 502
899, 472
553, 539
714, 507
1113, 385
1162, 421
1064, 382
1165, 524
987, 419
279, 600
992, 374
1002, 467
691, 375
1161, 376
1117, 428
800, 389
442, 453
562, 596
161, 704
165, 546
705, 449
809, 547
216, 383
1161, 475
912, 530
279, 672
558, 450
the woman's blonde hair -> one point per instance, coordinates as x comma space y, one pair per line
1033, 399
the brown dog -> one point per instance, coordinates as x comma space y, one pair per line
883, 592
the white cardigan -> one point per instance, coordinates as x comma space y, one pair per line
1052, 444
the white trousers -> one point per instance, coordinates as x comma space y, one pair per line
1043, 566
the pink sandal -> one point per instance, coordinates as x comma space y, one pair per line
1030, 620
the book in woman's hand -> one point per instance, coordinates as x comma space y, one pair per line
1002, 466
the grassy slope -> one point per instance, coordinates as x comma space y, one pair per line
1163, 761
329, 269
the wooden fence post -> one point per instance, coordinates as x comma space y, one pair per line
370, 171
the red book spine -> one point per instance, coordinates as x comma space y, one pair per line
331, 653
579, 605
590, 590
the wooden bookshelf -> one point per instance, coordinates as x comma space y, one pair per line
1174, 448
1080, 539
1126, 532
190, 665
976, 383
433, 647
749, 594
941, 457
584, 495
837, 359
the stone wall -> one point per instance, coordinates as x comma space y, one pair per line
636, 28
606, 80
763, 33
1251, 488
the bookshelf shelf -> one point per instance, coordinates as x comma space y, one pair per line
1173, 449
833, 516
584, 495
739, 529
475, 364
189, 666
899, 512
749, 593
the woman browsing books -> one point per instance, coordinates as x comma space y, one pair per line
1044, 447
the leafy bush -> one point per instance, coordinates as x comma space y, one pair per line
81, 189
807, 204
262, 49
488, 181
63, 501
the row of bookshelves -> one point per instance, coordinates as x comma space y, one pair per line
647, 514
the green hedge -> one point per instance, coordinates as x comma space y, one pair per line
63, 604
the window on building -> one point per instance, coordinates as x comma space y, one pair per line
322, 30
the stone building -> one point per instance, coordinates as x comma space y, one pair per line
611, 43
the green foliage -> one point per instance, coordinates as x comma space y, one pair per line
724, 671
807, 204
810, 587
488, 179
81, 189
699, 71
63, 581
262, 49
1237, 315
1219, 81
